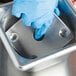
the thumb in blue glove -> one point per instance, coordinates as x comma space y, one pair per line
36, 13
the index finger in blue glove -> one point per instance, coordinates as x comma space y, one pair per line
41, 25
39, 32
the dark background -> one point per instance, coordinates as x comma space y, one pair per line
4, 1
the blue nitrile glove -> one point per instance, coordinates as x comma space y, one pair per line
36, 13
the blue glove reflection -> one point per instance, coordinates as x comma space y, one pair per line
36, 13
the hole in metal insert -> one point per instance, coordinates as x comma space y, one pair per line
14, 37
62, 33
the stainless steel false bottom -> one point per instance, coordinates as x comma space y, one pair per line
56, 37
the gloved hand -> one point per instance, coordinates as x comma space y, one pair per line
36, 13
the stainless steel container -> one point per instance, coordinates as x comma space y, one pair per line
18, 47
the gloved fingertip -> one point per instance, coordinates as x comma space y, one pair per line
40, 32
37, 34
37, 37
57, 11
33, 25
